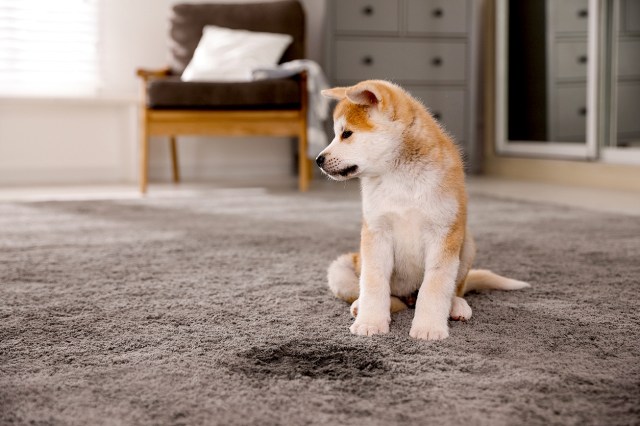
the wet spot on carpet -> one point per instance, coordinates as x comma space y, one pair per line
305, 359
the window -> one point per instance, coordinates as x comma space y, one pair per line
49, 47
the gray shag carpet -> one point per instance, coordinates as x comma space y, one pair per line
215, 310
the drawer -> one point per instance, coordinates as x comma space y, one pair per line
629, 58
628, 107
571, 60
367, 15
569, 16
403, 61
437, 16
446, 105
570, 121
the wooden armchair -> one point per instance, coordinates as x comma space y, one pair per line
277, 107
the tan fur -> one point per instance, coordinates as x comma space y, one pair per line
355, 258
356, 116
367, 245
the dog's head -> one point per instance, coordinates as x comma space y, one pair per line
369, 121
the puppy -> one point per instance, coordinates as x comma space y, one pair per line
414, 228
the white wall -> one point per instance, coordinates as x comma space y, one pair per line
46, 141
70, 141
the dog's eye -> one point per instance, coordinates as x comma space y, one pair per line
346, 134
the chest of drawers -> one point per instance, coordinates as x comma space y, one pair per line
430, 47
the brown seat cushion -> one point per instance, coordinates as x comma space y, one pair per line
172, 93
188, 21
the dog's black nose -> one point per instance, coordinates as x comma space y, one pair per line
320, 160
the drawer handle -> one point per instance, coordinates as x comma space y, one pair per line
436, 62
583, 13
367, 60
582, 59
582, 111
437, 115
368, 10
438, 13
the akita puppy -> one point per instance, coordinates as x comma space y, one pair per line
414, 204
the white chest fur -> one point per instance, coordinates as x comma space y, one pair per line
413, 216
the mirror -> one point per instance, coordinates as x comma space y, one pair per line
623, 73
546, 65
568, 79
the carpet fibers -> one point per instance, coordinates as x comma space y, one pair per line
215, 310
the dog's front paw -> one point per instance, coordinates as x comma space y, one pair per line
429, 332
369, 328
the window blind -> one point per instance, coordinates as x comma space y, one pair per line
49, 47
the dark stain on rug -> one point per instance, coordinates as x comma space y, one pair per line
293, 360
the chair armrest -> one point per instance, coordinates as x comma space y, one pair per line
146, 74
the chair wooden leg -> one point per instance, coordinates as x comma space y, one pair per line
174, 159
310, 168
304, 165
144, 152
305, 172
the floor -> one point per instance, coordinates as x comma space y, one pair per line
610, 201
208, 305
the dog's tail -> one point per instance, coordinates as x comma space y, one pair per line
481, 279
343, 278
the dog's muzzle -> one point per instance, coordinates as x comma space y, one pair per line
332, 168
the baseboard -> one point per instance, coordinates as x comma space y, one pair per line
198, 172
66, 176
157, 173
579, 173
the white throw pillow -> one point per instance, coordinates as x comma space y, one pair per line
224, 54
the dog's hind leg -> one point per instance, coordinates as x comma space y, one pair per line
460, 309
343, 275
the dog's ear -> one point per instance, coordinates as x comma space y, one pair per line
338, 93
385, 97
365, 94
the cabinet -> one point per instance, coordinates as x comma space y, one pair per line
430, 47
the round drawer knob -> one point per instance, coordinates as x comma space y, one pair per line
437, 115
582, 111
437, 13
367, 60
368, 10
583, 13
436, 62
582, 59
